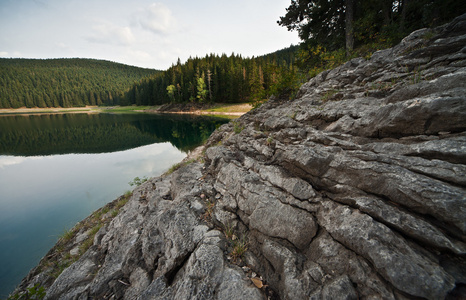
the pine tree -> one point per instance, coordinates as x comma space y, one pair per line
201, 89
171, 92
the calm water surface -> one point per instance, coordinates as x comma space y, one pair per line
56, 169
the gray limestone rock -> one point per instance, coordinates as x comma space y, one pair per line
361, 196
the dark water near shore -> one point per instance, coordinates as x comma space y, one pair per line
56, 169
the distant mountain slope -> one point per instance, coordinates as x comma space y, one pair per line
65, 82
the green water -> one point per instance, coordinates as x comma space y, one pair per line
56, 169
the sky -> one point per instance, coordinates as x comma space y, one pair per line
144, 33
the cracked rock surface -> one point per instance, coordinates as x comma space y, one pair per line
356, 195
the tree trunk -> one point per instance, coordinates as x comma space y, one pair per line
349, 26
404, 10
387, 11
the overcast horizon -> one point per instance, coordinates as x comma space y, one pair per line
143, 33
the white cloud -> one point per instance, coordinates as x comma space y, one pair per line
157, 18
63, 46
109, 33
137, 57
8, 54
142, 55
10, 160
15, 160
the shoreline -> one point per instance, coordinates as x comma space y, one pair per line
235, 110
47, 110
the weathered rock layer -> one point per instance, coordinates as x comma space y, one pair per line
356, 189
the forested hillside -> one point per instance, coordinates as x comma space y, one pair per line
215, 78
65, 82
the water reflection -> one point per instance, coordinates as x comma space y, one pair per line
41, 196
98, 133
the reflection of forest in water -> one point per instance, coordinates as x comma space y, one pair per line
99, 133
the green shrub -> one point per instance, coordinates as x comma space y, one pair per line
138, 181
36, 292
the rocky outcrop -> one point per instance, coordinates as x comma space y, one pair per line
355, 189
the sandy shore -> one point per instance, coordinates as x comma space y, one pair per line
54, 110
235, 110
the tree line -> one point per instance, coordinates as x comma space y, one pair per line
218, 78
65, 82
80, 82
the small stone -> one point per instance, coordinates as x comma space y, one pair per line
74, 251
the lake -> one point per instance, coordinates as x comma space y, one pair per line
55, 169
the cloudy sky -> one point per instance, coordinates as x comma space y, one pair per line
145, 33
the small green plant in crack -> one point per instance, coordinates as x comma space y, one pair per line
269, 141
105, 210
382, 86
123, 200
86, 244
210, 210
95, 229
67, 235
127, 195
179, 165
293, 115
416, 76
61, 265
237, 127
228, 231
90, 240
428, 35
328, 95
37, 292
240, 246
